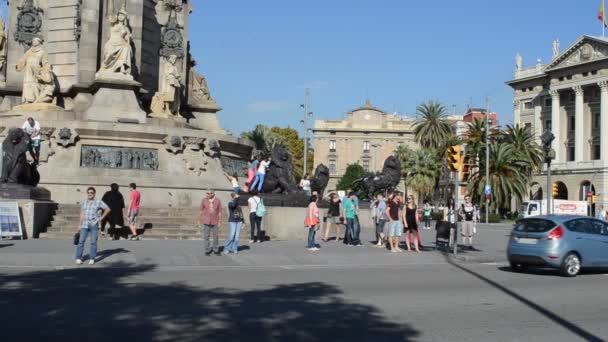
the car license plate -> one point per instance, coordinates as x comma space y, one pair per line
527, 241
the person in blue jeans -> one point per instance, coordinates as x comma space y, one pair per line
92, 211
349, 209
260, 175
312, 220
235, 223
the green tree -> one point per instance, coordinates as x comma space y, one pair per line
295, 145
432, 128
263, 138
524, 143
507, 176
421, 171
353, 172
403, 153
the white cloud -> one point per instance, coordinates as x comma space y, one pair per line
262, 107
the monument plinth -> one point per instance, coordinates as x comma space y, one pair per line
115, 100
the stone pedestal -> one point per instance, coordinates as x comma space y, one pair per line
116, 101
9, 191
204, 116
35, 206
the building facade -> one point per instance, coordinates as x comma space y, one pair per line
569, 95
367, 136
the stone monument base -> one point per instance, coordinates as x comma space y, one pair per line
35, 207
116, 101
23, 192
37, 107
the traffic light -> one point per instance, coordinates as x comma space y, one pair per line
454, 158
555, 190
594, 199
466, 171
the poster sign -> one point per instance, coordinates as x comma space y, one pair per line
10, 221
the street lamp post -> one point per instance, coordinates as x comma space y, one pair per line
487, 188
547, 138
307, 116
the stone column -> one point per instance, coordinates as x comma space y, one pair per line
579, 120
604, 119
516, 113
538, 120
558, 144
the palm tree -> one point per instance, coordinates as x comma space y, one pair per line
432, 127
507, 177
263, 138
421, 171
403, 153
475, 138
524, 143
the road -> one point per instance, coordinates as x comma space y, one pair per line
168, 291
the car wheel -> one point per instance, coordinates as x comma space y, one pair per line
571, 265
518, 267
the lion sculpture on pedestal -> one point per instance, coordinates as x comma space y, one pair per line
387, 180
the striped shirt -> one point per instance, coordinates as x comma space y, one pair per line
92, 210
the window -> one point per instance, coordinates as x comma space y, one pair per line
571, 123
548, 102
529, 105
366, 146
597, 121
332, 146
596, 152
366, 165
332, 166
571, 153
547, 124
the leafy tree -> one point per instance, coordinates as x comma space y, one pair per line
263, 138
524, 143
295, 145
421, 170
353, 172
432, 129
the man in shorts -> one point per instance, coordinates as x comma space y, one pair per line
394, 227
469, 215
133, 210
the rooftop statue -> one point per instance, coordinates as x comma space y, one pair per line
117, 52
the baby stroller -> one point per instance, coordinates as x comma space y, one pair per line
442, 237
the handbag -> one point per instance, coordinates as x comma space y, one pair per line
76, 238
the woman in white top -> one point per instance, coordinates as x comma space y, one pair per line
255, 221
260, 175
305, 184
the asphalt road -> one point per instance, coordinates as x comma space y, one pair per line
168, 291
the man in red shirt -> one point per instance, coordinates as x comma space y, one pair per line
210, 217
133, 210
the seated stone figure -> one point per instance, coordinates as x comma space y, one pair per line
15, 168
388, 179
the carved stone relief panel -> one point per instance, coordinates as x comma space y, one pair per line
233, 165
119, 158
29, 22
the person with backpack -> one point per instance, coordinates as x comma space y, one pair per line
256, 212
470, 216
236, 223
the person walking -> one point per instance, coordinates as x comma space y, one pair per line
380, 218
32, 129
236, 223
394, 226
305, 184
349, 212
254, 220
469, 215
312, 221
133, 210
92, 212
261, 174
210, 218
333, 216
412, 222
426, 214
116, 202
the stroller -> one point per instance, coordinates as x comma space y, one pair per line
442, 237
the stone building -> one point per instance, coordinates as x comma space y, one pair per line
125, 103
366, 136
569, 95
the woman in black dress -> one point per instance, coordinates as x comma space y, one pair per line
116, 202
411, 223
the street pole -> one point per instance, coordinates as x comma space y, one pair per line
306, 105
549, 188
487, 157
457, 205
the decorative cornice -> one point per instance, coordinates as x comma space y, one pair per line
578, 90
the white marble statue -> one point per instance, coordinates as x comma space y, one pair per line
168, 98
117, 52
518, 62
555, 48
38, 81
2, 46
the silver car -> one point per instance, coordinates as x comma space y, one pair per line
567, 243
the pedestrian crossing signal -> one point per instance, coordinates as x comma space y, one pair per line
455, 158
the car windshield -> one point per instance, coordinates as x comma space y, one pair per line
534, 225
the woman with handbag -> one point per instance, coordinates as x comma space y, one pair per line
236, 223
311, 221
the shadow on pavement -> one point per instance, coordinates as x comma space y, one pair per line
7, 245
573, 328
99, 304
106, 253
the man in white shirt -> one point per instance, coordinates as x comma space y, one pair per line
32, 129
260, 175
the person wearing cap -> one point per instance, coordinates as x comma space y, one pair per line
210, 218
31, 127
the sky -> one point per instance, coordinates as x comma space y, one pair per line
260, 56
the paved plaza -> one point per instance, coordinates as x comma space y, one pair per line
279, 291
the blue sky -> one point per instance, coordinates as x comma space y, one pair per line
259, 56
